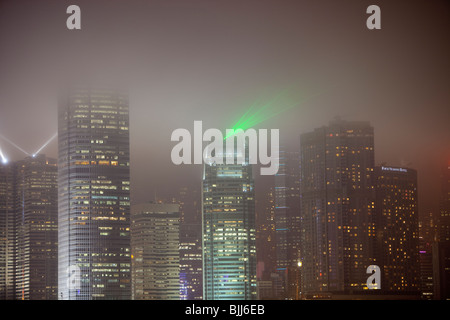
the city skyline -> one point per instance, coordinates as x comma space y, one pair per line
362, 117
395, 202
211, 69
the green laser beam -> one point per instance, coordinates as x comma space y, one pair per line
266, 111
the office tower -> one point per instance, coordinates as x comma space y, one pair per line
94, 195
191, 274
444, 214
337, 207
228, 227
427, 235
441, 249
36, 229
28, 224
426, 269
287, 224
441, 270
155, 242
189, 200
397, 229
7, 231
265, 236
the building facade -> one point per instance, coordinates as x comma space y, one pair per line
229, 232
191, 273
397, 229
287, 224
337, 207
28, 226
156, 251
7, 231
94, 195
441, 250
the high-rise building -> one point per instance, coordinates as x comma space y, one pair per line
228, 227
287, 224
191, 274
36, 229
397, 229
265, 236
29, 213
337, 207
427, 236
441, 270
7, 231
441, 250
155, 243
444, 214
94, 195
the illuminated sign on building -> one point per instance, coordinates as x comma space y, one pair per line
393, 169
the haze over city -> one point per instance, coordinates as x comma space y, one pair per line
201, 60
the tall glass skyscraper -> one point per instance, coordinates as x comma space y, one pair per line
229, 243
287, 224
94, 195
337, 207
7, 231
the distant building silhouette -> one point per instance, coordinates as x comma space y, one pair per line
287, 225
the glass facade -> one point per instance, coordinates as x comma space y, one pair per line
94, 195
28, 227
191, 287
36, 229
7, 231
287, 223
229, 244
155, 243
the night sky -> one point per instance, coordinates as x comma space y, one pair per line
192, 60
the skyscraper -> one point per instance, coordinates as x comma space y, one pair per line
427, 235
444, 214
265, 236
397, 223
155, 243
441, 250
229, 248
287, 222
337, 207
7, 231
191, 274
29, 212
94, 195
36, 229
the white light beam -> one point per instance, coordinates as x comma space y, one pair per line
45, 144
15, 145
4, 160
